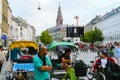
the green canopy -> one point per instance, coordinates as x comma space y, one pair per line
55, 44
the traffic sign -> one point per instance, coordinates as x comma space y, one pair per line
4, 37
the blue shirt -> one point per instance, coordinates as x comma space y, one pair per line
14, 53
117, 51
38, 74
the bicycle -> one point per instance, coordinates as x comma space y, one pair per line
90, 71
98, 75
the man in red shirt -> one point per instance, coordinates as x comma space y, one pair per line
103, 62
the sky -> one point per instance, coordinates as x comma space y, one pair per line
46, 17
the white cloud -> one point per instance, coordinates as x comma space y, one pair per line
42, 21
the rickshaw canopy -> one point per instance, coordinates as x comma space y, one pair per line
55, 44
21, 44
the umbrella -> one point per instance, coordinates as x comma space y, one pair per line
55, 44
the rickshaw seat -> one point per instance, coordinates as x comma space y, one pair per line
24, 66
26, 59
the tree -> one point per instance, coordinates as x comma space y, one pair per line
93, 36
45, 37
87, 36
97, 35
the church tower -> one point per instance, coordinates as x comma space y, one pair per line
59, 20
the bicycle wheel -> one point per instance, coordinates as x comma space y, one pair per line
89, 73
100, 76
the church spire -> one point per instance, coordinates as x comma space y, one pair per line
59, 20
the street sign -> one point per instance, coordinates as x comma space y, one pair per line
3, 37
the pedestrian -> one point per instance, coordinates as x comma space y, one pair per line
14, 54
27, 52
117, 53
42, 64
111, 49
2, 57
6, 52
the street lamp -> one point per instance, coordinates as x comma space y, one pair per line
39, 7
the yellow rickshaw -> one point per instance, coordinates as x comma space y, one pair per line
24, 65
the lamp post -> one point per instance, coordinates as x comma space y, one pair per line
39, 7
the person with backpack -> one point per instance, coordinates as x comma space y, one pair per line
103, 62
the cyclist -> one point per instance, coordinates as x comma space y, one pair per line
103, 62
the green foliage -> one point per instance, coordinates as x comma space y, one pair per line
93, 36
97, 35
45, 37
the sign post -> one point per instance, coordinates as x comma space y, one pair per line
4, 37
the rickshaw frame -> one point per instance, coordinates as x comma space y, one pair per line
28, 70
51, 48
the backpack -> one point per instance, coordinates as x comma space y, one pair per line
115, 67
114, 71
80, 68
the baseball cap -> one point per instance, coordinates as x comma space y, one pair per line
103, 51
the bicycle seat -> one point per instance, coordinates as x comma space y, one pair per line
92, 62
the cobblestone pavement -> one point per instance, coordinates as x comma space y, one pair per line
6, 67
